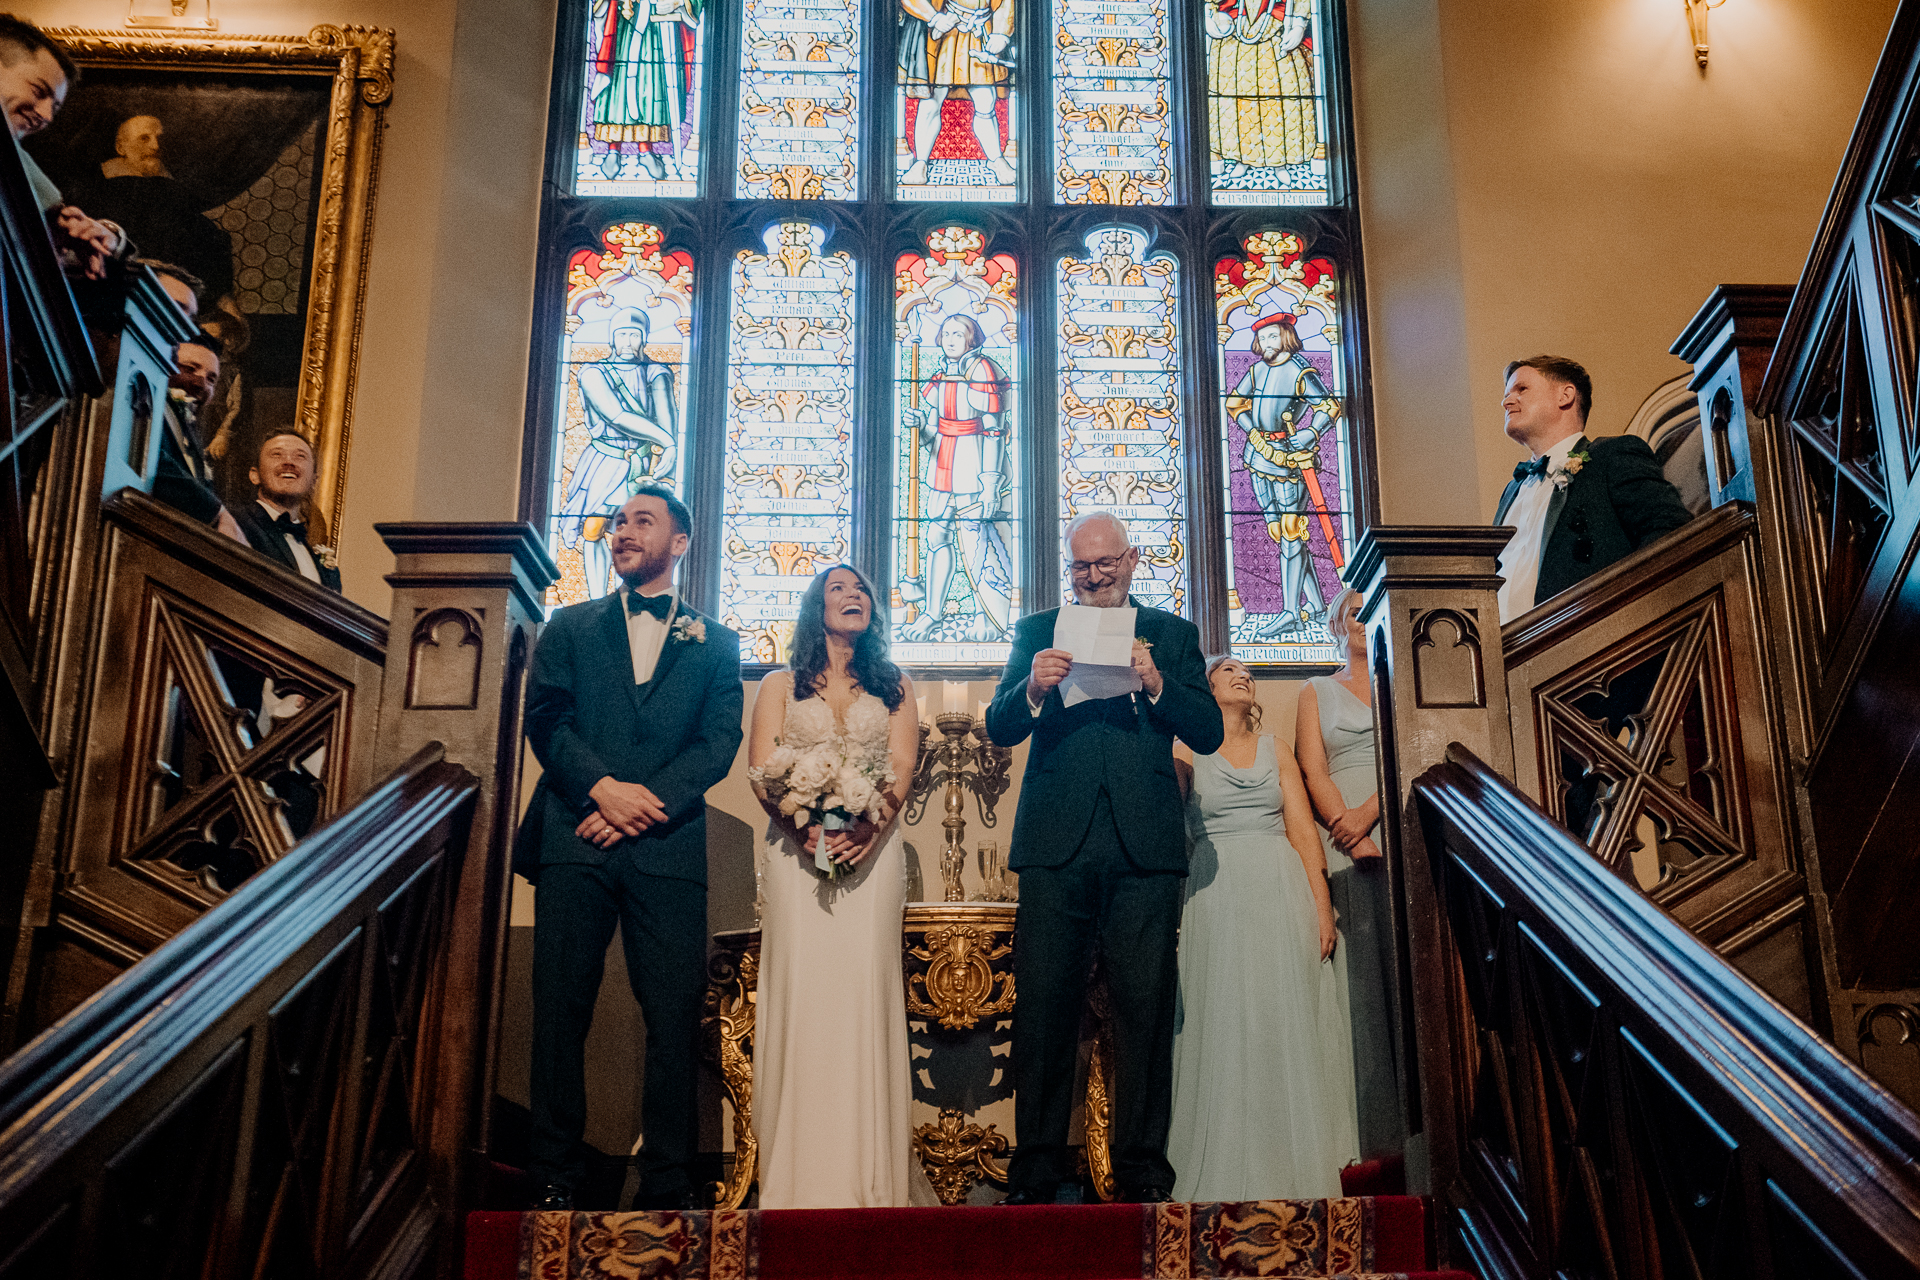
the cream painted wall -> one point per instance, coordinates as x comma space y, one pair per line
443, 354
1599, 186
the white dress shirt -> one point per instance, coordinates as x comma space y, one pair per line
1520, 562
302, 558
646, 635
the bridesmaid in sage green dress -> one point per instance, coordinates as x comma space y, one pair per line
1262, 1058
1333, 738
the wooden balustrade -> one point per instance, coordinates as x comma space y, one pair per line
264, 1093
1616, 1101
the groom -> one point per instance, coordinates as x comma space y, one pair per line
633, 708
1100, 844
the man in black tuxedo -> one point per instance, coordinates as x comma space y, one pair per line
1100, 844
183, 478
283, 477
1577, 505
633, 708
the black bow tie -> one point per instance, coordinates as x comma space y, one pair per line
285, 523
658, 606
1534, 470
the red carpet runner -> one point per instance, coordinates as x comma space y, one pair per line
1351, 1237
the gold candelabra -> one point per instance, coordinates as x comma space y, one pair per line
963, 759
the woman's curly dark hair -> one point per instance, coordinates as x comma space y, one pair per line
870, 666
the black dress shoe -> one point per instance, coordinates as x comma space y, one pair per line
1029, 1196
553, 1198
1144, 1195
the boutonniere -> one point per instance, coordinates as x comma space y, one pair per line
688, 629
1143, 642
326, 557
1563, 474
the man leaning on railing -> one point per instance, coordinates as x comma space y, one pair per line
35, 74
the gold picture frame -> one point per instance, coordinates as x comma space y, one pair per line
348, 82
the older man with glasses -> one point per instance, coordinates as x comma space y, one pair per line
1100, 844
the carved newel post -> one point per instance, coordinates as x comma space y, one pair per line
467, 604
1432, 613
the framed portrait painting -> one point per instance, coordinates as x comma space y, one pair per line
249, 161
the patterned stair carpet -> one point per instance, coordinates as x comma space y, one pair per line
1352, 1237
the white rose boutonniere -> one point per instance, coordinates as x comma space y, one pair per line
325, 557
688, 629
1564, 473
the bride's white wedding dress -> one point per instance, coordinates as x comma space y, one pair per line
831, 1090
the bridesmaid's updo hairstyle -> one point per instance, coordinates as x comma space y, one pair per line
1337, 633
1253, 710
870, 666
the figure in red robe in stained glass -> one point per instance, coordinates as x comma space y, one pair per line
964, 495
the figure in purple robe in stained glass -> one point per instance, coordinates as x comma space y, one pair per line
634, 428
964, 489
1284, 408
649, 52
956, 46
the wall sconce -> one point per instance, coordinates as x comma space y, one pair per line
177, 19
1697, 24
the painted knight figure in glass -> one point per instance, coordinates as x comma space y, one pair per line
1111, 63
956, 100
799, 99
1122, 431
1288, 496
956, 330
787, 496
1266, 114
641, 134
622, 360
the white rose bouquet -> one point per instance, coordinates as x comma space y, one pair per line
821, 786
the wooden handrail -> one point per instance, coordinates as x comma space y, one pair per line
316, 985
1626, 1103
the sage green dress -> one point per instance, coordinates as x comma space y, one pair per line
1262, 1059
1366, 924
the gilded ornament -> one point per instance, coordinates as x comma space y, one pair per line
726, 1024
960, 981
957, 1155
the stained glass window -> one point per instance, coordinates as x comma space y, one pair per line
955, 102
1111, 66
1289, 500
623, 394
1266, 107
803, 430
799, 99
786, 506
1122, 433
640, 111
956, 339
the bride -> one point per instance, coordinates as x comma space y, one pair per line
830, 1065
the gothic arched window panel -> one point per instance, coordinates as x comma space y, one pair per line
787, 495
956, 459
914, 283
1266, 102
799, 99
1288, 501
1113, 89
1122, 429
623, 380
640, 109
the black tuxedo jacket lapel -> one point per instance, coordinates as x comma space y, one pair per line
1557, 503
1507, 496
613, 630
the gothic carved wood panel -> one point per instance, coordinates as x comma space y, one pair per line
1645, 719
228, 710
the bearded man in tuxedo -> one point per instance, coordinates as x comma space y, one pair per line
1100, 843
283, 477
633, 708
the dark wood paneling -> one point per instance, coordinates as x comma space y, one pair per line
1620, 1102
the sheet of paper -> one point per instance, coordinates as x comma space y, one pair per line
1101, 642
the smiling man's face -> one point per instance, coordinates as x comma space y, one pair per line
32, 89
284, 474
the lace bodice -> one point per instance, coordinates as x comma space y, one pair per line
863, 735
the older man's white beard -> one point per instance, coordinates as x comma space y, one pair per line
1110, 596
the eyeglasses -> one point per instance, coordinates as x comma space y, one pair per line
1107, 565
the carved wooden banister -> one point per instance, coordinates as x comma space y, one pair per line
1618, 1100
258, 1095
